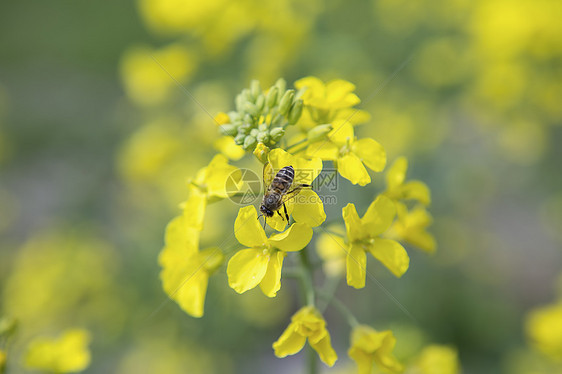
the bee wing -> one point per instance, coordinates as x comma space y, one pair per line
268, 175
294, 192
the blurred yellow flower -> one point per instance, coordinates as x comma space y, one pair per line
146, 72
327, 103
212, 179
411, 227
229, 148
397, 189
330, 248
544, 330
261, 263
307, 323
306, 207
186, 270
363, 235
436, 359
349, 154
67, 354
369, 347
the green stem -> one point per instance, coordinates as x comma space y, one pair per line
306, 279
341, 307
312, 360
297, 143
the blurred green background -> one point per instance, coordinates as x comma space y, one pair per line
96, 143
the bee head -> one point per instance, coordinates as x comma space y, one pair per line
266, 212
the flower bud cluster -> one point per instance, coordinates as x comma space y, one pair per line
262, 116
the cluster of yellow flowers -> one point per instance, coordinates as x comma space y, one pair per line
322, 130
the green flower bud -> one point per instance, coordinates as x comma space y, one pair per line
239, 102
234, 116
228, 129
251, 109
271, 99
244, 129
277, 133
260, 102
263, 127
278, 120
239, 139
248, 119
319, 132
295, 112
254, 132
249, 143
255, 89
247, 96
261, 137
281, 85
286, 102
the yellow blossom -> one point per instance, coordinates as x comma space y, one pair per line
211, 180
329, 248
186, 270
544, 329
306, 207
67, 354
229, 148
307, 323
146, 72
397, 189
437, 359
411, 227
349, 154
369, 346
363, 235
261, 263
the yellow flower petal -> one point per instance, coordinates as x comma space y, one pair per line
293, 239
356, 263
338, 90
180, 240
217, 174
332, 250
247, 268
308, 208
247, 228
194, 208
229, 148
371, 153
368, 345
379, 215
67, 353
391, 254
397, 173
325, 351
271, 282
324, 149
351, 168
289, 343
544, 330
438, 359
342, 132
415, 190
312, 84
353, 225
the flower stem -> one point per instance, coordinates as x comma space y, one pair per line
296, 144
306, 279
341, 307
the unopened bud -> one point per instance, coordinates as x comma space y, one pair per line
261, 152
250, 142
319, 132
277, 133
255, 89
281, 85
271, 99
260, 102
286, 101
228, 129
295, 112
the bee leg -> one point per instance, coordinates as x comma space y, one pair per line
286, 214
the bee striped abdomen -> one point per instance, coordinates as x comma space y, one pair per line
283, 180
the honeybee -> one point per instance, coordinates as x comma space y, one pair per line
278, 191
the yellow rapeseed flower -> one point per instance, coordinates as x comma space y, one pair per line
306, 207
363, 236
411, 227
307, 323
328, 103
186, 270
66, 354
228, 147
369, 347
349, 154
544, 330
261, 263
398, 189
437, 359
212, 179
